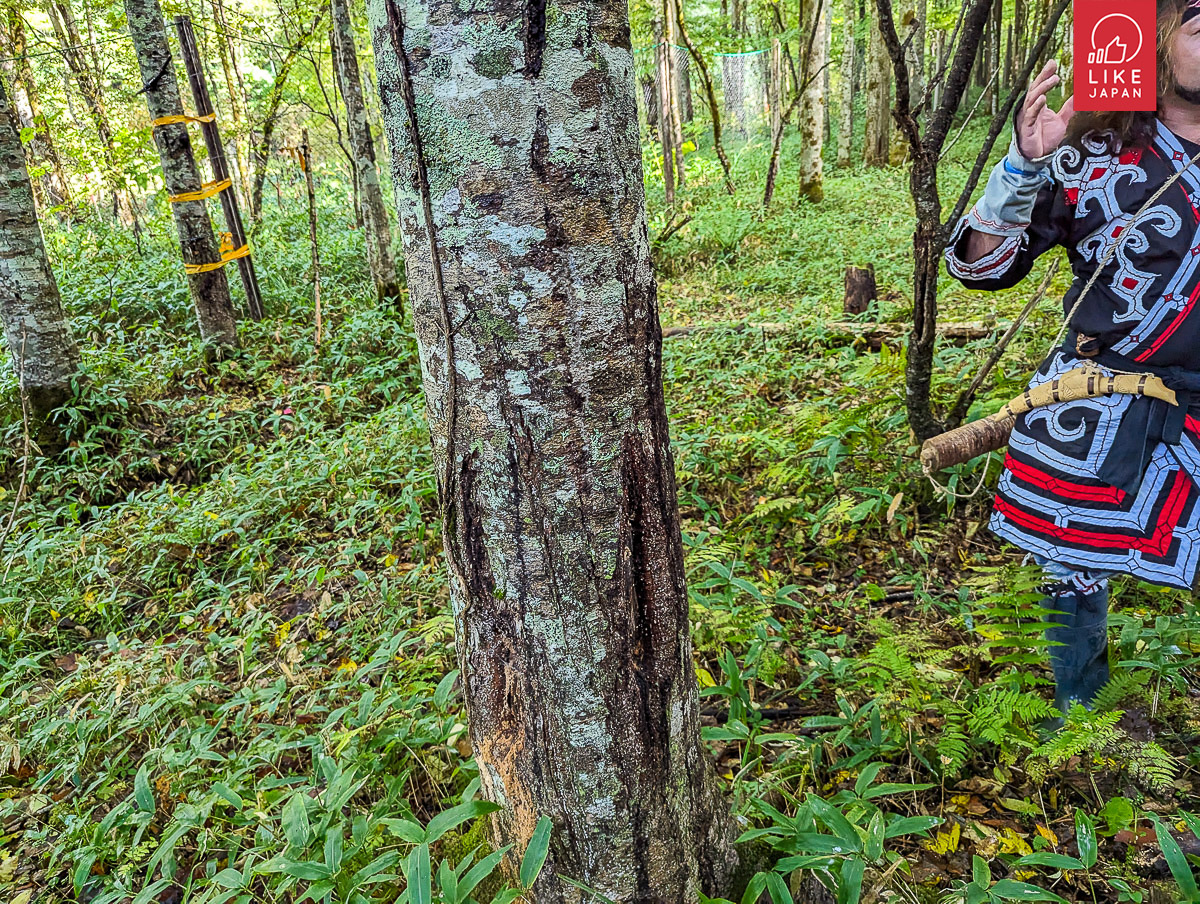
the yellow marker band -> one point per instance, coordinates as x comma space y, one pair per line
207, 190
182, 118
193, 269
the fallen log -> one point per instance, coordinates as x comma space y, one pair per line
847, 332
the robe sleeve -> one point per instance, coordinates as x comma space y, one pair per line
1024, 205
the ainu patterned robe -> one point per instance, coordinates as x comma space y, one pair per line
1143, 518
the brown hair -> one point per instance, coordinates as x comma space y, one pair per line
1124, 129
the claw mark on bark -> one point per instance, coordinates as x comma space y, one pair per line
535, 36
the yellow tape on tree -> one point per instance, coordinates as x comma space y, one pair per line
193, 269
207, 190
182, 118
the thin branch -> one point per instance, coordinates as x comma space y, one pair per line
1000, 121
959, 411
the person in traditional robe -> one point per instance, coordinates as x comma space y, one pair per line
1110, 485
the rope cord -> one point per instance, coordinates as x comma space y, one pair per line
207, 190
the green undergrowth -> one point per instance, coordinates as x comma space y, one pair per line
227, 670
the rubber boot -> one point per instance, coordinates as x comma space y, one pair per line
1079, 650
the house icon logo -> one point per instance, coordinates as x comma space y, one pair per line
1116, 40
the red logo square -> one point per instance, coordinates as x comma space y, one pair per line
1115, 55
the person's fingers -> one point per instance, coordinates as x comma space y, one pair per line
1068, 109
1045, 85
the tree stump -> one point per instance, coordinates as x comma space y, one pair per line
861, 291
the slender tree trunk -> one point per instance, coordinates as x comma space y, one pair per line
710, 93
52, 187
227, 52
812, 104
666, 127
846, 95
535, 309
673, 104
197, 242
313, 247
877, 139
262, 149
35, 328
375, 219
66, 30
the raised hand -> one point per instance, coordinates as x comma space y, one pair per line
1040, 130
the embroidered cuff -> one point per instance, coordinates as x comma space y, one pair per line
1012, 189
990, 266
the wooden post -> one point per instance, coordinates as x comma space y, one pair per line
216, 157
306, 165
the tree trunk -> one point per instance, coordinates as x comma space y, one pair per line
812, 104
52, 187
227, 51
35, 329
66, 30
262, 149
375, 219
709, 92
666, 127
197, 243
535, 309
878, 135
846, 95
861, 292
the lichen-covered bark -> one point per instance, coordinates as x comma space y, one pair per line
813, 17
846, 94
35, 330
878, 129
518, 180
197, 242
375, 219
52, 186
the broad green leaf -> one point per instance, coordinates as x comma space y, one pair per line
1050, 860
404, 829
441, 696
875, 836
228, 795
420, 882
228, 878
295, 820
981, 873
1085, 837
142, 792
535, 854
894, 788
755, 888
868, 774
911, 825
836, 822
777, 888
306, 869
1012, 890
1181, 870
850, 888
478, 873
456, 816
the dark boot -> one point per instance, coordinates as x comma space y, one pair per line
1079, 653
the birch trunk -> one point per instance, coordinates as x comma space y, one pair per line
878, 131
812, 105
375, 219
66, 31
52, 187
846, 94
518, 179
35, 328
197, 242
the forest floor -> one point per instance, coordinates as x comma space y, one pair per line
226, 671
